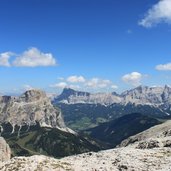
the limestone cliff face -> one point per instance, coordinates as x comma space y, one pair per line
5, 152
30, 108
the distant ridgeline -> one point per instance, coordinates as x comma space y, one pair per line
82, 110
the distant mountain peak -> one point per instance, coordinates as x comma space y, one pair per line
67, 89
67, 93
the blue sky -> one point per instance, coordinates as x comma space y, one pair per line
93, 45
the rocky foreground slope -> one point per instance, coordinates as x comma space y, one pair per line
122, 159
157, 136
129, 158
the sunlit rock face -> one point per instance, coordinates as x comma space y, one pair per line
140, 95
5, 152
27, 110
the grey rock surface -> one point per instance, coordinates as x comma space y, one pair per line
156, 99
26, 110
5, 152
139, 95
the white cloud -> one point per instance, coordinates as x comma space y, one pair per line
133, 78
76, 79
4, 59
27, 87
63, 85
114, 86
34, 57
74, 86
59, 85
164, 67
97, 83
160, 12
80, 82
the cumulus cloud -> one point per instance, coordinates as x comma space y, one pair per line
4, 59
97, 83
32, 57
73, 86
114, 86
160, 12
164, 67
59, 85
62, 85
133, 78
76, 79
80, 82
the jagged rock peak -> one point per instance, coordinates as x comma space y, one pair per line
69, 91
33, 95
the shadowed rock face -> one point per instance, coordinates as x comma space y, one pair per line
5, 152
26, 110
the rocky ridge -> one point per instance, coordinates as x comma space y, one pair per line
144, 95
152, 101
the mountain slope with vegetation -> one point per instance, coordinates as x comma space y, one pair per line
50, 142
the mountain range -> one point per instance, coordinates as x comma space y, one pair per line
91, 109
33, 126
144, 95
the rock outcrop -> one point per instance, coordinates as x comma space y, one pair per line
27, 110
5, 152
